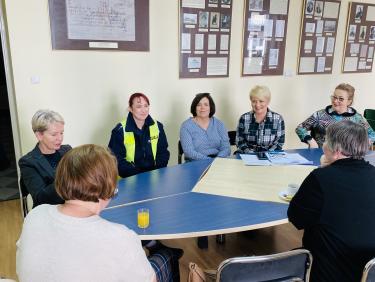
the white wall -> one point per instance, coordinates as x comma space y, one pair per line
91, 88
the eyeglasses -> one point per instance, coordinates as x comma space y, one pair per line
340, 99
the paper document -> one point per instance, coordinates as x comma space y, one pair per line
253, 160
282, 158
276, 158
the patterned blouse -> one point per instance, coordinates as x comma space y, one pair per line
319, 121
267, 135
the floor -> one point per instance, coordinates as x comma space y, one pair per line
259, 242
9, 184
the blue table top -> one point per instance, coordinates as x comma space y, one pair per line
196, 214
159, 183
176, 212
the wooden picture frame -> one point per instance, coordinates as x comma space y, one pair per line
90, 25
264, 37
360, 38
318, 36
204, 38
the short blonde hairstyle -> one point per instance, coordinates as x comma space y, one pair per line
43, 118
260, 92
87, 173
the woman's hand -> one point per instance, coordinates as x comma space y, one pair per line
312, 144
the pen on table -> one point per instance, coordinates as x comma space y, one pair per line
277, 153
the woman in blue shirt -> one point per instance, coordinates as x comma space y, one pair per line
203, 136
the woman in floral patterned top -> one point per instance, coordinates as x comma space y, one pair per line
312, 131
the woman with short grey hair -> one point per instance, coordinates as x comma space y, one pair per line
38, 166
335, 206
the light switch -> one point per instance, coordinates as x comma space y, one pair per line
35, 79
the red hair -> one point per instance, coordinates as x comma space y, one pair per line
137, 95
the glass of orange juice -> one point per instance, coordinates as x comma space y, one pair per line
143, 218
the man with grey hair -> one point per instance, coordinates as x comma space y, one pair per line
335, 206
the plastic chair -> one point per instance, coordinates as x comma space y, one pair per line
369, 272
293, 265
180, 152
232, 137
370, 117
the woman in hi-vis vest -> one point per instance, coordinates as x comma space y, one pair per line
139, 142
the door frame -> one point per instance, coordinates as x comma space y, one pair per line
10, 88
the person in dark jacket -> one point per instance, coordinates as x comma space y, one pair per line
38, 166
139, 142
336, 205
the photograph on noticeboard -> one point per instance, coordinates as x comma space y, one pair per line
358, 12
203, 19
215, 20
352, 31
318, 8
309, 7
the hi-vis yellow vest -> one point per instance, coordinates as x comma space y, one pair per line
129, 141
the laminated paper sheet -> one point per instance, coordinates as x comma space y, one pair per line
231, 178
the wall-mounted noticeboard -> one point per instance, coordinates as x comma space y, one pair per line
264, 37
360, 38
318, 36
100, 25
204, 38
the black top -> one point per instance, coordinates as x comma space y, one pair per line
53, 159
336, 207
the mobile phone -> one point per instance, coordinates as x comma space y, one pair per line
262, 156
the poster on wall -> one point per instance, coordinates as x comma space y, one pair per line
264, 37
360, 38
204, 37
100, 24
318, 36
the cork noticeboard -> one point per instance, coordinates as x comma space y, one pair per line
360, 38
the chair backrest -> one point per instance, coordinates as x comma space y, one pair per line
293, 265
369, 272
26, 199
232, 137
370, 117
369, 114
180, 152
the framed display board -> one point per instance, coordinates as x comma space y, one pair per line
360, 38
100, 24
318, 36
264, 37
204, 38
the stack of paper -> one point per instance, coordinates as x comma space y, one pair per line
276, 158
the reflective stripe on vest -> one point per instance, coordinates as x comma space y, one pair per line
129, 141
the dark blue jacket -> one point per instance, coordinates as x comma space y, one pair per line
38, 177
143, 159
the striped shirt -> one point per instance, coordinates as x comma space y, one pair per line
267, 135
198, 143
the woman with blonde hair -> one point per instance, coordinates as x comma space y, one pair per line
38, 166
260, 129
